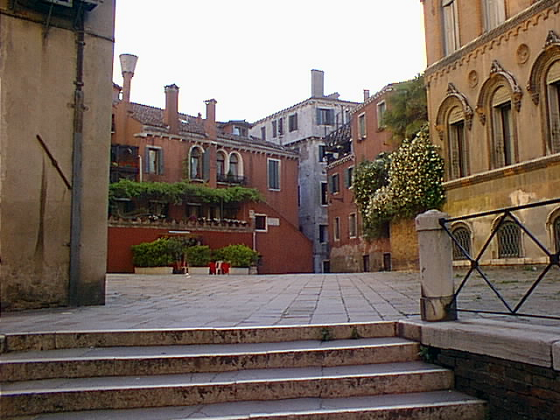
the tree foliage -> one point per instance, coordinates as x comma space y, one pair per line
412, 184
407, 111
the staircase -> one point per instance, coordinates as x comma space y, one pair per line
343, 371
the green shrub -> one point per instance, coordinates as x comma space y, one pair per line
153, 254
237, 255
198, 255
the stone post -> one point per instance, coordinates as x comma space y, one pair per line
436, 268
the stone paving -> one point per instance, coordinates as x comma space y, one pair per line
178, 301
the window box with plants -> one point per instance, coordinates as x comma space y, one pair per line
198, 259
240, 258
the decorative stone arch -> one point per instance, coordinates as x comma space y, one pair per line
498, 77
552, 227
546, 65
454, 97
455, 109
549, 54
499, 90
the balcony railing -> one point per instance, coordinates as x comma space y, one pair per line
232, 179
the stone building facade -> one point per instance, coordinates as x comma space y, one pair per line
55, 119
302, 128
165, 145
493, 81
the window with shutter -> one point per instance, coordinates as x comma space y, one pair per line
273, 174
502, 128
494, 13
292, 122
450, 26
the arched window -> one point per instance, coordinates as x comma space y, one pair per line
509, 240
463, 236
220, 165
553, 104
233, 165
556, 230
196, 163
503, 129
458, 152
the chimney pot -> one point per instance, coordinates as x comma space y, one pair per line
128, 65
366, 94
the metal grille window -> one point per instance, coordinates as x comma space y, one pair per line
557, 233
463, 236
509, 241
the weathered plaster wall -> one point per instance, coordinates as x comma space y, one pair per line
37, 75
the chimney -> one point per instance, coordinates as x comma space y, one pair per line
128, 64
366, 94
210, 121
171, 113
317, 83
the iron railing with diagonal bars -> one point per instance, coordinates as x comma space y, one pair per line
507, 230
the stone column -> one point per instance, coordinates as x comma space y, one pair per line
436, 268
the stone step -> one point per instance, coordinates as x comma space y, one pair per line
188, 336
178, 359
413, 406
196, 389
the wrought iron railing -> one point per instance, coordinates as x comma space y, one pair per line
232, 179
507, 230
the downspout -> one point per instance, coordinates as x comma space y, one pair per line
77, 181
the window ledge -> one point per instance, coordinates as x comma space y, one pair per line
518, 168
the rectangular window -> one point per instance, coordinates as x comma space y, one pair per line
324, 233
450, 26
336, 229
503, 135
459, 158
324, 194
322, 149
494, 13
334, 184
352, 225
260, 223
292, 122
361, 126
349, 177
263, 133
281, 126
154, 160
325, 116
554, 115
273, 174
274, 129
381, 109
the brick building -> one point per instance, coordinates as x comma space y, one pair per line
164, 145
493, 81
363, 138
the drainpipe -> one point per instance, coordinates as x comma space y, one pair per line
77, 181
140, 167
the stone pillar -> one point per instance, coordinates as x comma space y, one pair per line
436, 268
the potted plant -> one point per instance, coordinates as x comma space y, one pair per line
240, 257
198, 258
153, 257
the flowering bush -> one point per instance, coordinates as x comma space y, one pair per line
413, 184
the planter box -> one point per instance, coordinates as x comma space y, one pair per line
199, 270
153, 270
239, 270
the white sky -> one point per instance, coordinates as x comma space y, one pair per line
255, 56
